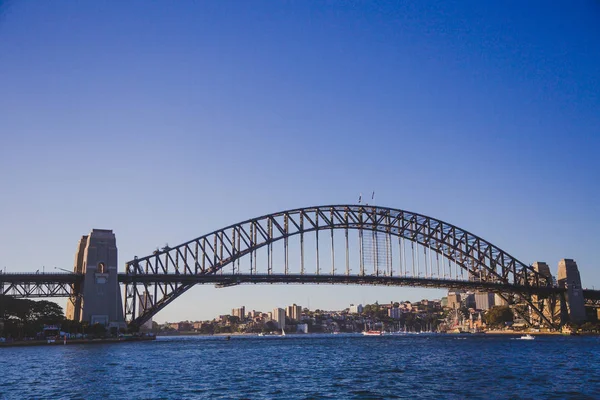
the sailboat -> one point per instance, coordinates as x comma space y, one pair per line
282, 332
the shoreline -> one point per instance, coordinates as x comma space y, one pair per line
61, 342
526, 333
490, 332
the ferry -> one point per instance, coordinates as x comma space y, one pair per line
372, 333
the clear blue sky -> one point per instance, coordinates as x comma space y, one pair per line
166, 120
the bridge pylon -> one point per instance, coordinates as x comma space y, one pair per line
549, 304
572, 301
97, 299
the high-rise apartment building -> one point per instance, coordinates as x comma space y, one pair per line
239, 312
294, 312
279, 317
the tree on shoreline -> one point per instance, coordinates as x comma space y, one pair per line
498, 316
26, 318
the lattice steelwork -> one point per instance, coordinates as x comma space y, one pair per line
37, 285
323, 242
592, 298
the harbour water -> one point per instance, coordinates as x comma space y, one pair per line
308, 367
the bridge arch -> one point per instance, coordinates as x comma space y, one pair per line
210, 254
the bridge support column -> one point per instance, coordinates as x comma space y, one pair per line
99, 298
549, 305
573, 305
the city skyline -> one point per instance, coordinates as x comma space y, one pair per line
164, 123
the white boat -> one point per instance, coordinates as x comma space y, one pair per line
527, 337
372, 333
282, 332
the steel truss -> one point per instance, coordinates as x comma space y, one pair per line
38, 285
208, 255
592, 298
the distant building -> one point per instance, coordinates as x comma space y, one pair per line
294, 312
358, 309
279, 317
239, 312
394, 313
181, 326
468, 300
484, 301
302, 328
454, 299
444, 302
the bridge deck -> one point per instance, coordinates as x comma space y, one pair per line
232, 280
224, 280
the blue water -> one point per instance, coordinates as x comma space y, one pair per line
308, 367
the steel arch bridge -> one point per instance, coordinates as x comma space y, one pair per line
395, 247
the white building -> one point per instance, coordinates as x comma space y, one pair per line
294, 312
279, 317
356, 309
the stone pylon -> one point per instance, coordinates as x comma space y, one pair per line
549, 305
573, 306
98, 298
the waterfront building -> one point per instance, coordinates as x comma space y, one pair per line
302, 328
355, 309
279, 317
181, 326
